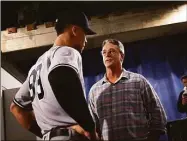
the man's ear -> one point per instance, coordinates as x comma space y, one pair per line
74, 30
122, 57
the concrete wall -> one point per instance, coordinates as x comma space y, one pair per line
13, 131
2, 136
7, 82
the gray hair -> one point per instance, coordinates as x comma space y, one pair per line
115, 42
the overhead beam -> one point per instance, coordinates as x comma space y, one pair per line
140, 34
127, 23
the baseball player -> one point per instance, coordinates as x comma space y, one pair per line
51, 103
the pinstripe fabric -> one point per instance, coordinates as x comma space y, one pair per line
127, 109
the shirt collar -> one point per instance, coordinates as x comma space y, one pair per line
123, 75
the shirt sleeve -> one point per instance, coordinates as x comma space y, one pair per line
155, 111
65, 56
23, 98
91, 105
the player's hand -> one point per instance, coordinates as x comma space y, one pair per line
80, 130
91, 136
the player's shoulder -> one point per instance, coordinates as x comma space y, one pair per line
65, 56
65, 51
39, 63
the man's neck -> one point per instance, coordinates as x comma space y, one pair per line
62, 40
113, 74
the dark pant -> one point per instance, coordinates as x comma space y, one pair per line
177, 130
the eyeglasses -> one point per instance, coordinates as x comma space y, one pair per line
111, 52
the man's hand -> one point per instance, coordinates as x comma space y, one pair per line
154, 135
184, 100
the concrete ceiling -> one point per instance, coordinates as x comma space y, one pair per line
21, 13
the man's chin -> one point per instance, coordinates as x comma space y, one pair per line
82, 50
108, 65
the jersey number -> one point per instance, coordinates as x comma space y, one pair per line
35, 84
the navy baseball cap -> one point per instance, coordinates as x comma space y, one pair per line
74, 18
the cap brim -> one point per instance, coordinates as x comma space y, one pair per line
89, 31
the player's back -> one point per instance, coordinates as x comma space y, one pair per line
48, 111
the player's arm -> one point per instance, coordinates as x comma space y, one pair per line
23, 112
22, 116
68, 91
26, 119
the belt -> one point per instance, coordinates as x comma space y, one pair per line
59, 132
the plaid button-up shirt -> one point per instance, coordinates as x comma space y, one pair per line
128, 109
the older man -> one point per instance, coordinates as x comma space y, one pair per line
123, 104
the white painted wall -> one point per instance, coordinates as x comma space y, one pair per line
7, 82
2, 119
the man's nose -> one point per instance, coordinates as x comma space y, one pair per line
86, 40
108, 53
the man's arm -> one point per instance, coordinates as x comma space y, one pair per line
68, 91
181, 108
26, 119
155, 111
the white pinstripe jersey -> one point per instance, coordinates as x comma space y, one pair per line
36, 92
